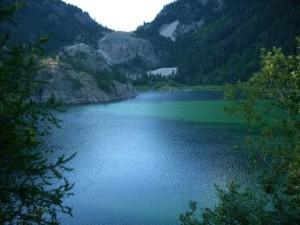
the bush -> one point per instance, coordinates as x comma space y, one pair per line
270, 102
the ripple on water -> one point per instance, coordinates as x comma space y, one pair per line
140, 169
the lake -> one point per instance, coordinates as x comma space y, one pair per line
140, 162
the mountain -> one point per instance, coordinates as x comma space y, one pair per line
204, 41
64, 23
219, 41
68, 25
76, 69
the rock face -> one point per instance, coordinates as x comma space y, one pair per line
77, 75
168, 30
72, 76
83, 58
176, 28
122, 47
68, 86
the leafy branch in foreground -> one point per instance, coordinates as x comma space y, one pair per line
32, 183
270, 103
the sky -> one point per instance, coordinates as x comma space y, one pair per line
121, 15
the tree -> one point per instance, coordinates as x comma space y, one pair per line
32, 185
270, 103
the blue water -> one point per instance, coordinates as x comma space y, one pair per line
143, 170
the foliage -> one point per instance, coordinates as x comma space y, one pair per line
226, 48
32, 184
64, 23
235, 207
105, 79
151, 80
270, 102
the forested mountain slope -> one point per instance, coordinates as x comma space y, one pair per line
74, 68
64, 23
218, 41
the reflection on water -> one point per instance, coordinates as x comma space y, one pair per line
135, 169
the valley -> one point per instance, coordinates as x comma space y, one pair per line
192, 118
189, 42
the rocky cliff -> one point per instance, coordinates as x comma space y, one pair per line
68, 86
84, 73
82, 64
83, 57
122, 47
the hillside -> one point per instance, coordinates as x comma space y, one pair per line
64, 23
205, 41
214, 41
75, 69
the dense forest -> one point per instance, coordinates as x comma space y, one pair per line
227, 46
63, 23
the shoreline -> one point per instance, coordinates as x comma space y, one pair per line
174, 87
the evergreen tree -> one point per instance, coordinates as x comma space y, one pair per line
270, 103
32, 186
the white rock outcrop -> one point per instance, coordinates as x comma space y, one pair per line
176, 28
168, 30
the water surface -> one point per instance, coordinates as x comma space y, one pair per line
140, 161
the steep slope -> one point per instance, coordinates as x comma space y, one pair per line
70, 86
218, 41
121, 48
64, 23
68, 25
75, 71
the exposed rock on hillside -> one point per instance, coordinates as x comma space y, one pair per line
168, 30
83, 58
68, 86
122, 47
82, 72
177, 28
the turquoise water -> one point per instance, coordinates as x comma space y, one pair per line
140, 161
